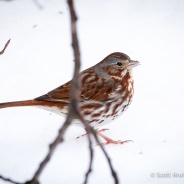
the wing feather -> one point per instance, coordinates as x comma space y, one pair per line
98, 91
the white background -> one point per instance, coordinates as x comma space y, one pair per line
39, 58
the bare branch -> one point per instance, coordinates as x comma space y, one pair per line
6, 45
9, 180
73, 107
90, 131
91, 151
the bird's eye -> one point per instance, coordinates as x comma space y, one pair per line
119, 63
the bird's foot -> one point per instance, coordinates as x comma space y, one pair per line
107, 139
116, 142
111, 141
102, 130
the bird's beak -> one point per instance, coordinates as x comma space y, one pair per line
132, 64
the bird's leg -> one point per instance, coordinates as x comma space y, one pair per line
102, 130
111, 141
107, 139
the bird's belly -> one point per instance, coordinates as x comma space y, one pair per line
96, 117
106, 113
55, 110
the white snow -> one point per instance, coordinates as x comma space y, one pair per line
39, 59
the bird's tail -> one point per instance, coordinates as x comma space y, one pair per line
26, 103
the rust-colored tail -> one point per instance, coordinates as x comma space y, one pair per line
29, 103
19, 103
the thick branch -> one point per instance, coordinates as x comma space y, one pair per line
89, 129
76, 83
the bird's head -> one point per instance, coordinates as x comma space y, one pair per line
116, 64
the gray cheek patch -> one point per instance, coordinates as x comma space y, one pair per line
99, 71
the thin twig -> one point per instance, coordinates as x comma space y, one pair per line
91, 151
90, 131
9, 180
6, 45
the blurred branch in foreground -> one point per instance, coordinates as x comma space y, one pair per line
74, 111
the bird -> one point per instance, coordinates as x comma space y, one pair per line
107, 89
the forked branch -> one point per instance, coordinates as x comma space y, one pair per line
9, 180
74, 110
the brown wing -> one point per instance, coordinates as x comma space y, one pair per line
60, 94
95, 91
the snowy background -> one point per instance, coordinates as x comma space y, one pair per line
39, 58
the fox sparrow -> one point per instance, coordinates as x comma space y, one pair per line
107, 90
